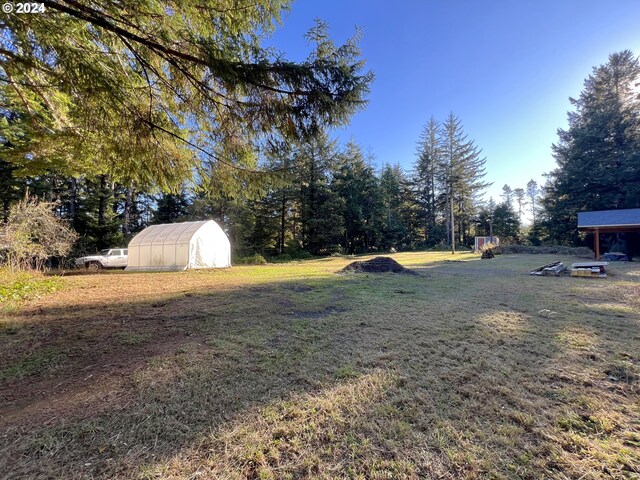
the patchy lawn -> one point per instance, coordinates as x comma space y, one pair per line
16, 287
472, 369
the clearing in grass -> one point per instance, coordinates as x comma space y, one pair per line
470, 369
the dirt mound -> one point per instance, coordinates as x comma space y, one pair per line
378, 265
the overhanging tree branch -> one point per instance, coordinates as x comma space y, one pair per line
97, 18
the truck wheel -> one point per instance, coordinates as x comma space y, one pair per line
93, 266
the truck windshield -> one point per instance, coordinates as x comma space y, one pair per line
104, 253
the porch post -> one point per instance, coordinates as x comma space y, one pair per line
597, 243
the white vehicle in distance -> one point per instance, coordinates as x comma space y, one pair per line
109, 258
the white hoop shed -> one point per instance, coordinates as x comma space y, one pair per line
179, 246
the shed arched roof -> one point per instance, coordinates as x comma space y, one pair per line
168, 234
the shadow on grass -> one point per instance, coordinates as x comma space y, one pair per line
351, 375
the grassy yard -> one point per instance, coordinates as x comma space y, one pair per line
473, 369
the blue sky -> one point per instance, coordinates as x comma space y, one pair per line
505, 68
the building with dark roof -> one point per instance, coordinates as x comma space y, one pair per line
608, 221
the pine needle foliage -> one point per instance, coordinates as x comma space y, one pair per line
149, 91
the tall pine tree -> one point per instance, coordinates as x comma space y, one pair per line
356, 184
426, 171
393, 189
598, 155
462, 171
320, 210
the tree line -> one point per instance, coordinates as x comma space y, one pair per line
328, 198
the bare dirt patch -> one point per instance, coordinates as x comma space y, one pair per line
87, 385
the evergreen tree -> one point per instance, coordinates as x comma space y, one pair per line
426, 171
507, 195
171, 207
264, 233
356, 184
145, 93
519, 195
533, 193
484, 226
598, 155
97, 220
506, 224
461, 174
282, 158
10, 189
392, 190
320, 209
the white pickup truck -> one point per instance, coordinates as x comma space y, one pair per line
109, 258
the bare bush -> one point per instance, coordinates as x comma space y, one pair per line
33, 234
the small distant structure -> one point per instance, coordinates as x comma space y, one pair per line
479, 242
608, 221
179, 246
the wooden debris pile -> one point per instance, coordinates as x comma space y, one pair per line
487, 253
555, 268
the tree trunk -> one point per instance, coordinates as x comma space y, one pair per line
432, 198
533, 210
73, 202
102, 201
453, 234
221, 214
126, 217
312, 207
283, 213
6, 206
103, 197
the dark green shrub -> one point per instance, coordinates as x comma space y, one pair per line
546, 250
255, 259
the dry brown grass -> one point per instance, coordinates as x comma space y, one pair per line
471, 370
